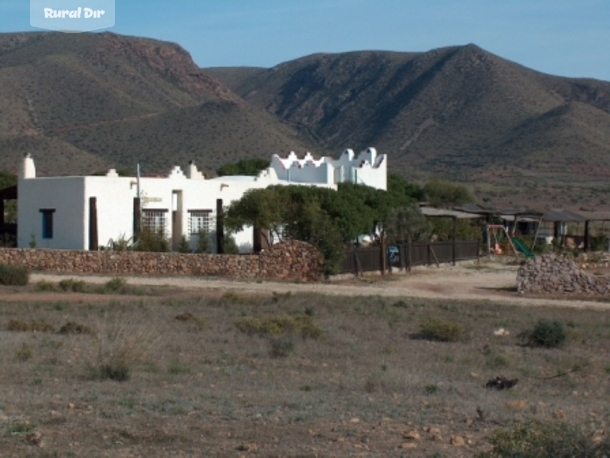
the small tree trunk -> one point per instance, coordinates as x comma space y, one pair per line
383, 253
410, 251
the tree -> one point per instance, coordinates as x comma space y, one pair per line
406, 224
320, 216
250, 167
440, 192
400, 186
262, 208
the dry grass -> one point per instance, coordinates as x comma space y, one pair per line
356, 389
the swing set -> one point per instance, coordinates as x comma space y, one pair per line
517, 245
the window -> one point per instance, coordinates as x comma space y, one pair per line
199, 220
154, 221
47, 222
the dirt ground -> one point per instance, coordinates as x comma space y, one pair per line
483, 280
368, 386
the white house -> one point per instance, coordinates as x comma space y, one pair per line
87, 212
367, 168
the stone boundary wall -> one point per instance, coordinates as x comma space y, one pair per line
558, 275
290, 260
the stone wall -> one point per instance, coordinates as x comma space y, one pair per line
290, 260
558, 275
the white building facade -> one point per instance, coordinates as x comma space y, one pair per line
367, 168
59, 212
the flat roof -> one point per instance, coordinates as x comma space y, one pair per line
438, 212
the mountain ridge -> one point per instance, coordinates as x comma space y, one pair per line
84, 102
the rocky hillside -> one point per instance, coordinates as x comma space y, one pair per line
79, 102
83, 102
457, 112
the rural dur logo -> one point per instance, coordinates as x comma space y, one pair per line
72, 15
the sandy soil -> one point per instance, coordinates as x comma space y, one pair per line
491, 281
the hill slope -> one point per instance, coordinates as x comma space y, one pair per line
84, 101
458, 112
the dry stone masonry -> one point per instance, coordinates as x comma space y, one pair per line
559, 275
290, 260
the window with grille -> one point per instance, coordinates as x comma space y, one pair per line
154, 221
199, 220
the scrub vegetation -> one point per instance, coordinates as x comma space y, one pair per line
180, 373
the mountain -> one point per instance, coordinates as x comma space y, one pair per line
459, 112
81, 102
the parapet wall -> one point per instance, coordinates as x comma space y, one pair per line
290, 260
558, 275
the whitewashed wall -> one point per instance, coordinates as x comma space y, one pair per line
368, 168
69, 196
66, 197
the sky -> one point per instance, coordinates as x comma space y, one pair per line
560, 37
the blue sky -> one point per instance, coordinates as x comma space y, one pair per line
560, 37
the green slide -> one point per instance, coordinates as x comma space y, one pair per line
522, 248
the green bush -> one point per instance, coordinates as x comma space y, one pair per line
121, 244
14, 276
203, 242
542, 439
184, 247
230, 246
150, 241
441, 330
546, 333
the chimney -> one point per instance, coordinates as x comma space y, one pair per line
28, 169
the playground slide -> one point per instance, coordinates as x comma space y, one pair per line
522, 248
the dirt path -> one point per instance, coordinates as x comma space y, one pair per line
486, 281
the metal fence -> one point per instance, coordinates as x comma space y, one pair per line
368, 259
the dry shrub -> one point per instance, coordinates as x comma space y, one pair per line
30, 326
281, 347
119, 345
25, 352
542, 439
115, 285
44, 285
279, 324
14, 276
70, 284
188, 317
441, 330
74, 328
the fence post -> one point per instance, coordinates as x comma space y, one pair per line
383, 253
357, 262
454, 236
